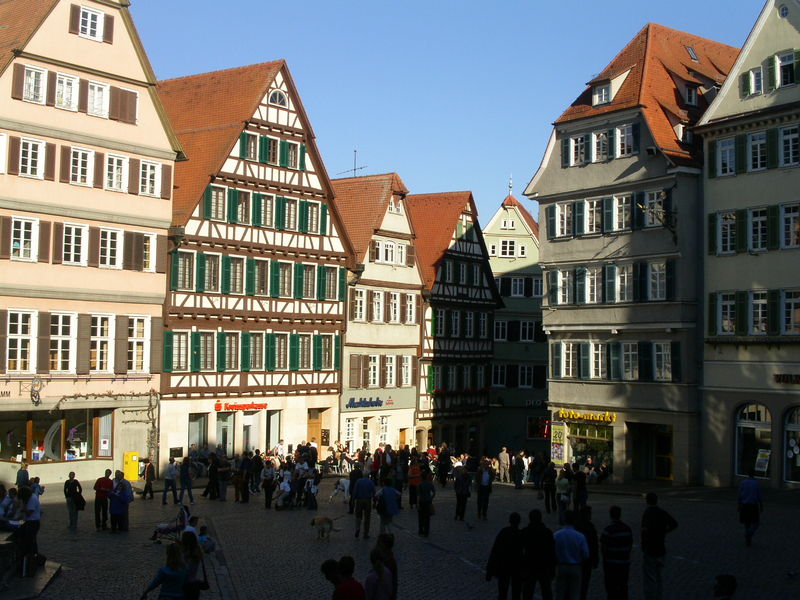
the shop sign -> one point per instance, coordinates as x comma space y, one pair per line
226, 406
364, 403
791, 378
606, 417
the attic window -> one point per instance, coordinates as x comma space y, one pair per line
278, 98
691, 95
692, 53
601, 94
783, 11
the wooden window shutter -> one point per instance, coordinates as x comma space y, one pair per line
370, 306
166, 181
161, 254
233, 206
58, 243
505, 286
18, 82
414, 370
528, 287
207, 197
74, 18
3, 339
352, 307
5, 240
257, 210
342, 284
403, 307
741, 152
645, 361
271, 349
550, 213
612, 143
166, 353
66, 164
418, 311
386, 298
584, 360
410, 255
513, 331
741, 240
274, 278
772, 79
744, 80
94, 247
610, 283
138, 251
578, 218
115, 104
741, 306
50, 162
614, 361
244, 362
555, 365
298, 280
99, 169
108, 29
121, 344
127, 252
84, 338
773, 148
13, 155
221, 359
637, 134
587, 148
675, 359
284, 154
565, 153
669, 273
243, 145
382, 370
302, 220
364, 370
250, 276
294, 351
263, 149
134, 165
321, 282
323, 220
50, 99
355, 370
637, 218
608, 215
512, 376
580, 285
302, 162
316, 355
773, 227
280, 213
200, 272
44, 241
552, 287
337, 352
83, 96
774, 312
194, 352
43, 343
225, 278
712, 233
173, 270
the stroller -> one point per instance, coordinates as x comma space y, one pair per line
172, 531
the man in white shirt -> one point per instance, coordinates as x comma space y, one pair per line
170, 475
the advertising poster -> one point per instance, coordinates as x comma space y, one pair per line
558, 436
762, 461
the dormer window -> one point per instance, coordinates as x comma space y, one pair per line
691, 95
692, 53
601, 94
395, 205
278, 98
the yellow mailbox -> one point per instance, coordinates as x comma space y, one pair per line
130, 465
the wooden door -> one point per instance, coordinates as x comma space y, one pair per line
314, 425
403, 439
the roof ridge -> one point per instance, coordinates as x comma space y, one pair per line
442, 193
229, 69
362, 177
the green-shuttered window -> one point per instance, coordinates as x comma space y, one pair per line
284, 154
194, 352
320, 282
280, 213
323, 220
250, 276
294, 352
233, 206
173, 270
299, 268
271, 349
302, 157
274, 278
207, 200
303, 217
342, 284
200, 273
225, 283
242, 145
317, 353
221, 351
337, 352
168, 348
245, 358
258, 204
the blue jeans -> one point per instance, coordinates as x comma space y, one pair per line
186, 486
169, 484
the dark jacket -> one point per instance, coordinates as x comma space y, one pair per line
656, 524
616, 542
507, 553
461, 485
539, 550
589, 531
72, 487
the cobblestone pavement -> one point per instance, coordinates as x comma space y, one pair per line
269, 555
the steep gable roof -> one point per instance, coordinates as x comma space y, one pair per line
434, 218
19, 20
208, 111
510, 202
362, 203
654, 56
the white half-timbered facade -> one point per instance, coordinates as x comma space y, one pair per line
257, 281
460, 299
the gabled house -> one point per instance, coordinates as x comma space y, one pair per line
619, 194
257, 281
459, 302
381, 347
86, 163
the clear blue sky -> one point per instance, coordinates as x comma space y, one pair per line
451, 94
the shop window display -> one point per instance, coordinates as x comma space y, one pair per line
753, 440
792, 446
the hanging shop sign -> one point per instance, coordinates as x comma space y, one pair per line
226, 406
605, 417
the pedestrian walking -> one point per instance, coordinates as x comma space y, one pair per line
387, 503
461, 485
102, 486
73, 492
427, 492
484, 479
170, 476
120, 496
224, 475
385, 545
363, 494
584, 525
185, 474
355, 475
656, 524
502, 465
414, 479
149, 476
268, 476
750, 506
506, 559
519, 470
539, 554
171, 578
443, 464
23, 476
549, 487
571, 550
563, 494
580, 493
616, 542
378, 585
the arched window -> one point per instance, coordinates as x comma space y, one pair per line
278, 98
753, 440
792, 445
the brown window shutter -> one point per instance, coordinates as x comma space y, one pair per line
50, 97
134, 165
108, 29
414, 370
18, 82
94, 247
418, 312
403, 306
127, 251
410, 255
66, 164
13, 155
138, 251
383, 368
355, 370
166, 182
156, 344
83, 96
128, 100
5, 241
99, 169
43, 348
365, 370
44, 241
161, 254
74, 19
58, 243
84, 337
3, 338
352, 306
386, 297
398, 370
50, 162
114, 108
121, 344
370, 306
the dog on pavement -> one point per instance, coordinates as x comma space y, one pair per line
341, 486
324, 527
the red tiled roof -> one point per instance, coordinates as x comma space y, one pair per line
534, 226
19, 20
434, 218
362, 203
653, 56
208, 111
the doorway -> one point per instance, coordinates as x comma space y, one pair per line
314, 429
651, 451
403, 437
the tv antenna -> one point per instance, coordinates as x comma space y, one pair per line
355, 168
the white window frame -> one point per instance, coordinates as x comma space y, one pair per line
594, 285
758, 313
469, 324
281, 351
692, 95
64, 81
387, 252
218, 193
31, 167
282, 98
757, 229
31, 337
525, 378
726, 232
757, 151
149, 252
601, 94
150, 178
538, 286
578, 151
593, 215
784, 59
373, 371
726, 313
94, 107
517, 287
790, 223
476, 275
400, 254
109, 339
455, 323
527, 331
790, 134
78, 171
662, 361
790, 312
498, 376
448, 271
394, 307
33, 253
233, 351
569, 359
83, 249
598, 361
623, 213
390, 363
360, 302
411, 309
657, 281
135, 342
120, 247
756, 81
292, 155
286, 279
726, 157
630, 361
624, 283
600, 139
213, 275
115, 175
377, 306
483, 326
405, 371
71, 339
85, 32
242, 260
211, 365
500, 330
462, 273
565, 291
624, 140
441, 326
654, 209
28, 88
564, 219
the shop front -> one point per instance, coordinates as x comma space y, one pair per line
383, 416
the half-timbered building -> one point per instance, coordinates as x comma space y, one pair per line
459, 301
257, 281
86, 161
379, 392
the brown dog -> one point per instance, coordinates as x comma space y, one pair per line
324, 527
